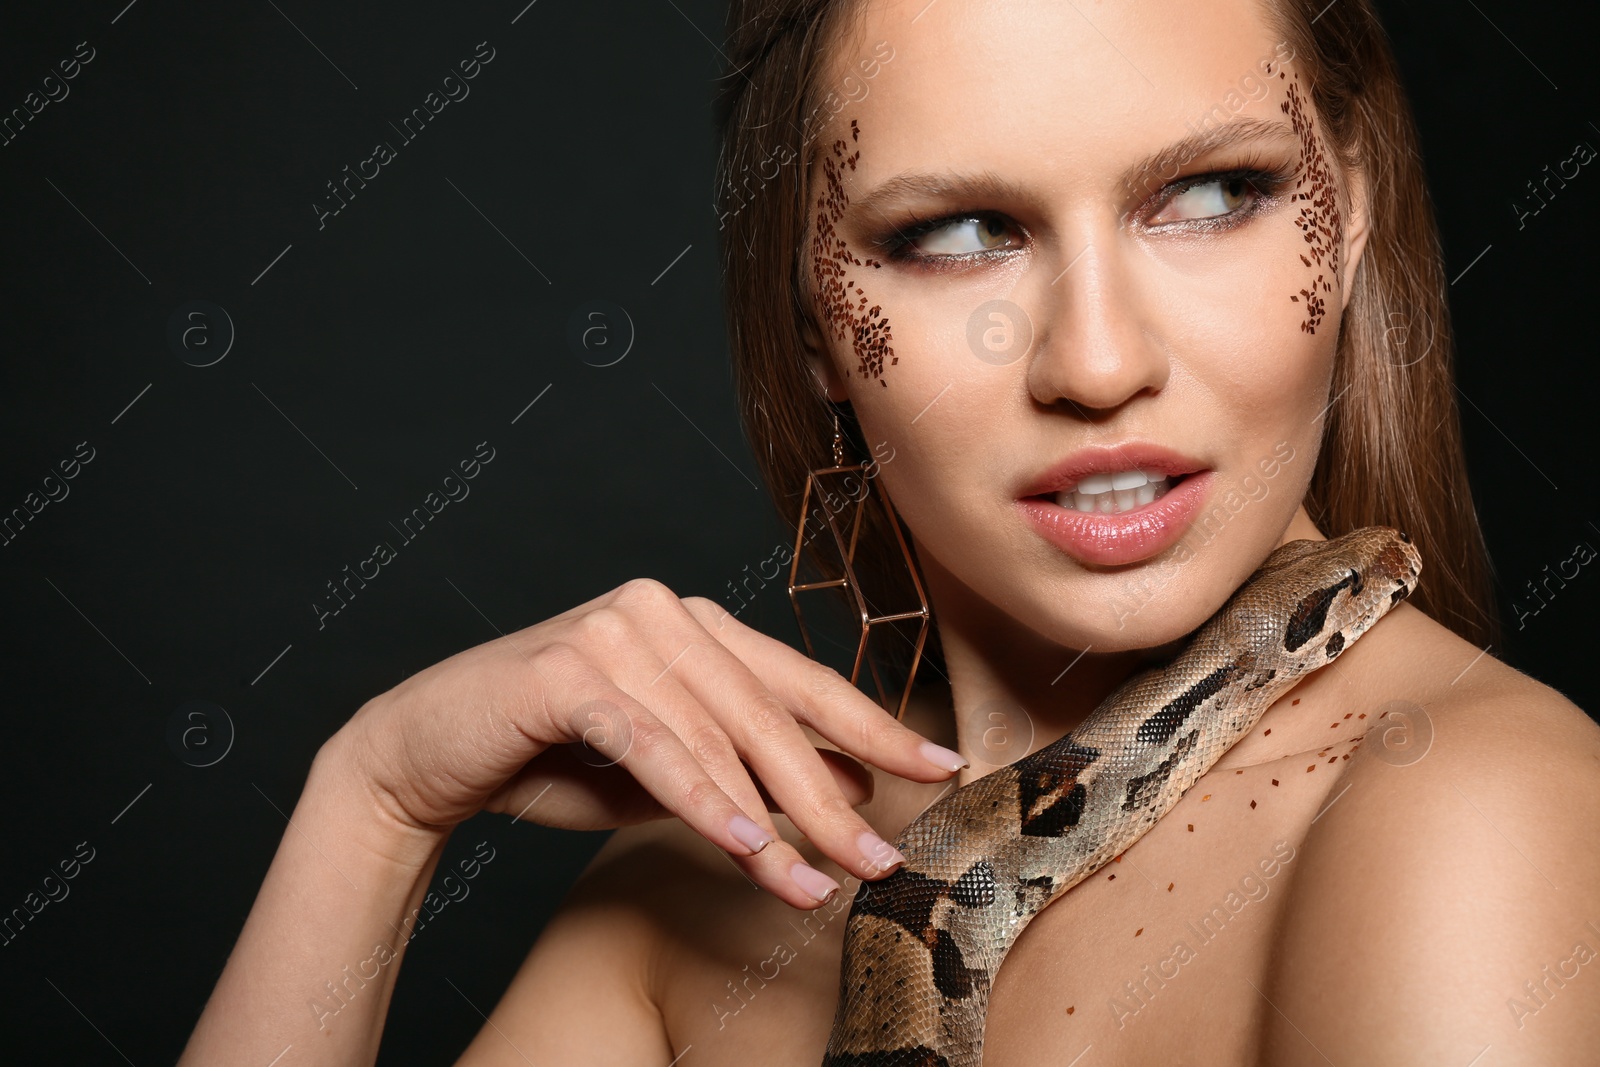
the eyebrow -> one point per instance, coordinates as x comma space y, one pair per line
1164, 165
1158, 167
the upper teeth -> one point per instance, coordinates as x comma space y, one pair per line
1115, 492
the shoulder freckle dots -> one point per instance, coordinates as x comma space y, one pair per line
1274, 781
1252, 804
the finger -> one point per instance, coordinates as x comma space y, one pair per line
559, 789
826, 702
855, 782
635, 667
654, 755
727, 718
764, 732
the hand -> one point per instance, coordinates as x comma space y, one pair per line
639, 705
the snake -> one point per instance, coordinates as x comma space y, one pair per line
923, 944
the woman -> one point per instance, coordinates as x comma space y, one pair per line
1113, 244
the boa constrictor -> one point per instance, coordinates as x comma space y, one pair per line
922, 946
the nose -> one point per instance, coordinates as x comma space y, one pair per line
1098, 345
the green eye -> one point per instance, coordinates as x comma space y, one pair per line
958, 236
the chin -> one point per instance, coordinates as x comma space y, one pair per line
1163, 621
1154, 603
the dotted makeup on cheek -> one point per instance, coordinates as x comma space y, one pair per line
843, 304
1319, 222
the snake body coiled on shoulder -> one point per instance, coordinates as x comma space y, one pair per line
922, 946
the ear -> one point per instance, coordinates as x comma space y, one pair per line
1357, 229
821, 361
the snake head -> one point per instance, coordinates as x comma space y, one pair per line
1310, 599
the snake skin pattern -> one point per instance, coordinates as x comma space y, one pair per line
922, 946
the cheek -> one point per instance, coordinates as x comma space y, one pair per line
1250, 325
1235, 344
854, 303
839, 276
1318, 219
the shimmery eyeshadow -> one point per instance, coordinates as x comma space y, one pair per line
1319, 221
841, 301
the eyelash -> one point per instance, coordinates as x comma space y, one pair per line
1267, 183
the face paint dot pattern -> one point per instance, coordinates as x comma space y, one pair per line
1318, 220
841, 302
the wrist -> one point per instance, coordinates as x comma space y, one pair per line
340, 787
329, 928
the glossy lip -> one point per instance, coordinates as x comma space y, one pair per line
1113, 540
1140, 455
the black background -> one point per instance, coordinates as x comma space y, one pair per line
375, 353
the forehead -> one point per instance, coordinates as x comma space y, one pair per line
1064, 85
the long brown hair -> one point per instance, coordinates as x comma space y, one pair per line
1392, 452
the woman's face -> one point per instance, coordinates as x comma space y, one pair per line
1083, 267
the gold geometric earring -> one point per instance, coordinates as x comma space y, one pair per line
845, 492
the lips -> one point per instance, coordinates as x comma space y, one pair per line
1067, 473
1130, 534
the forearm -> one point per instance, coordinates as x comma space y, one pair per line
317, 959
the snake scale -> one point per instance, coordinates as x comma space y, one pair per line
922, 946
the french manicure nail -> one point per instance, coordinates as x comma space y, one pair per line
942, 757
813, 883
749, 834
879, 853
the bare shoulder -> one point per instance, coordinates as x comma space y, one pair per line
608, 934
663, 945
1448, 898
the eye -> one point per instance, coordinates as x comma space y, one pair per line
955, 236
1212, 199
1207, 200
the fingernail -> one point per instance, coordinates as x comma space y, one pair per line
942, 757
813, 883
879, 853
749, 834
